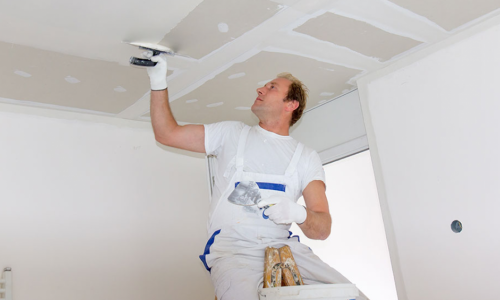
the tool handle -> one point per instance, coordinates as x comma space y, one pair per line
263, 215
142, 62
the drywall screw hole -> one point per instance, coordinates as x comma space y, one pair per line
456, 226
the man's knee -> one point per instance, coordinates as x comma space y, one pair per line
239, 284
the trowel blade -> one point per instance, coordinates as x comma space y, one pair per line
156, 49
247, 193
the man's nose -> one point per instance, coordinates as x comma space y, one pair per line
260, 90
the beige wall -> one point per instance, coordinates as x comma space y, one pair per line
97, 210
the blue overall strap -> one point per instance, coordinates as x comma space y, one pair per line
207, 250
268, 186
292, 236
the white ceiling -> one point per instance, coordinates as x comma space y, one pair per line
70, 55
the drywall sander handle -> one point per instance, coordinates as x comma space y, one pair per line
142, 62
153, 50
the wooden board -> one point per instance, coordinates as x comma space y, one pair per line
272, 268
291, 274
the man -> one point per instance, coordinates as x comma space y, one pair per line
266, 154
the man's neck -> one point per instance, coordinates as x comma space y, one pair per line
276, 127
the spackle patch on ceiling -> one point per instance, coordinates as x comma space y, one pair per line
71, 79
242, 108
120, 89
22, 73
191, 101
223, 27
196, 35
237, 75
325, 94
358, 36
215, 104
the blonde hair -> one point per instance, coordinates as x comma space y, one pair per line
296, 92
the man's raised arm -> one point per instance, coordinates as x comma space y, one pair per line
165, 127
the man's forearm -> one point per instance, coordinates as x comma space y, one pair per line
317, 225
167, 131
162, 118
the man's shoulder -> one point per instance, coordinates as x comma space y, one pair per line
226, 125
221, 132
309, 154
306, 151
234, 124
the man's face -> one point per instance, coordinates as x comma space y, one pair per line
270, 97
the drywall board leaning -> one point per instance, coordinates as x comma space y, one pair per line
430, 120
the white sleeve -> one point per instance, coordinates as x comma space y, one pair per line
313, 170
216, 133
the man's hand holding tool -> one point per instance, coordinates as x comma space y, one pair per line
158, 73
282, 210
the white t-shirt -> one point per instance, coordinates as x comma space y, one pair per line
265, 152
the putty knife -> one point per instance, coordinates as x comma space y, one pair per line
247, 193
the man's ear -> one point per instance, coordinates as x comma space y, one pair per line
292, 105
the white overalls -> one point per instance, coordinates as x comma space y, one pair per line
234, 253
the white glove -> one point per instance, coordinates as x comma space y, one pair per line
283, 210
158, 73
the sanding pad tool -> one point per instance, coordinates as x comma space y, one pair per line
156, 50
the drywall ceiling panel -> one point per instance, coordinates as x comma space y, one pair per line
91, 28
34, 75
230, 94
77, 31
356, 35
214, 23
450, 14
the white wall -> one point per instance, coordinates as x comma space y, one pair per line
433, 123
96, 210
